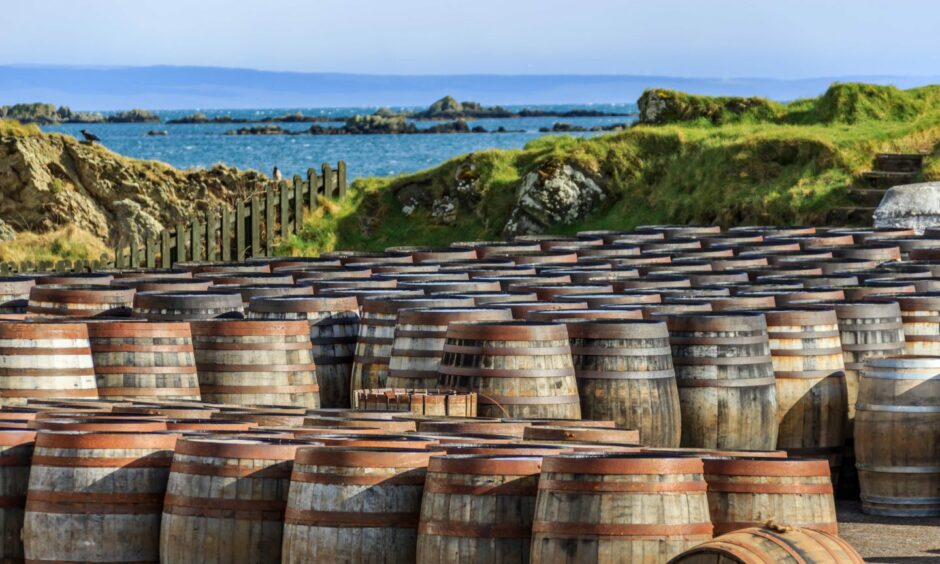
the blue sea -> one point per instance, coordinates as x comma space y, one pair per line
203, 145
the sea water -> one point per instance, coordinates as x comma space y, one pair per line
202, 145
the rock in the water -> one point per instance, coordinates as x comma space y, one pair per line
555, 194
912, 206
7, 233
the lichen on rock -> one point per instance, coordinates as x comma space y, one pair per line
554, 194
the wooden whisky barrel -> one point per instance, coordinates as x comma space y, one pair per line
14, 293
624, 372
618, 507
44, 360
96, 496
334, 325
423, 401
166, 284
354, 504
143, 361
516, 369
225, 500
478, 508
256, 361
810, 378
86, 300
779, 544
725, 377
16, 451
748, 492
562, 434
897, 436
187, 306
419, 342
920, 315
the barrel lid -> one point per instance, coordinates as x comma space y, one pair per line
622, 463
364, 457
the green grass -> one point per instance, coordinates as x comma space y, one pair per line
771, 163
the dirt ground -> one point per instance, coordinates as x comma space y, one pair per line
889, 539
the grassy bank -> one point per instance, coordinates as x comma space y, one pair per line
703, 160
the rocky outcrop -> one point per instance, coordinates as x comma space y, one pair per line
133, 116
448, 108
661, 106
7, 233
48, 114
296, 117
554, 194
367, 125
262, 130
48, 181
563, 127
911, 206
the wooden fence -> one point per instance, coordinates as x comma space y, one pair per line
251, 229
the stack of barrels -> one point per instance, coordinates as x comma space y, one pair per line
549, 398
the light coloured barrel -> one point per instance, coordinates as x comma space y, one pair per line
618, 508
79, 300
144, 361
774, 543
625, 373
920, 315
897, 436
14, 293
748, 492
334, 324
725, 377
478, 508
254, 362
425, 401
354, 504
45, 360
96, 496
418, 344
810, 379
521, 370
225, 500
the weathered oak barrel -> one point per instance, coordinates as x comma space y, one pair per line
14, 293
377, 336
423, 401
725, 377
186, 306
897, 436
143, 361
778, 544
16, 451
257, 361
624, 373
334, 324
71, 278
225, 500
354, 504
96, 496
419, 342
520, 370
85, 300
166, 284
581, 434
474, 426
920, 315
44, 360
478, 508
618, 508
249, 292
747, 492
810, 379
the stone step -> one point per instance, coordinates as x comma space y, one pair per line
866, 196
850, 216
899, 162
882, 179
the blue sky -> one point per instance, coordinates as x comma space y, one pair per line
730, 38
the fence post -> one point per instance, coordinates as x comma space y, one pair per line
269, 220
285, 210
180, 243
195, 242
298, 203
341, 178
255, 219
226, 234
314, 183
151, 253
166, 260
328, 181
241, 222
212, 224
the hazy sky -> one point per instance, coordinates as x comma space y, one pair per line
701, 38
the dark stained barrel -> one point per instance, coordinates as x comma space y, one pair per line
144, 361
726, 380
618, 508
897, 436
186, 306
16, 450
249, 292
86, 300
73, 278
520, 370
45, 360
625, 374
354, 504
251, 362
334, 325
419, 342
496, 500
165, 284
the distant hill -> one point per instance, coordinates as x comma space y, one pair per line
167, 88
